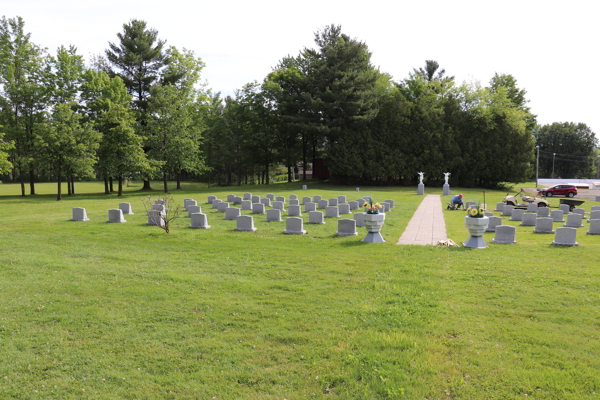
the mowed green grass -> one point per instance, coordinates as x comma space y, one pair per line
99, 310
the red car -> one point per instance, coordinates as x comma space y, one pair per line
559, 190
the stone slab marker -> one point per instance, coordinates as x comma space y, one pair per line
488, 214
247, 196
294, 226
278, 205
493, 223
421, 189
507, 210
79, 214
292, 197
230, 197
316, 217
115, 215
595, 208
294, 211
344, 208
185, 203
280, 198
557, 216
446, 189
532, 207
361, 203
386, 206
245, 223
155, 218
323, 204
232, 213
594, 227
255, 199
237, 200
565, 237
304, 187
306, 200
333, 201
528, 219
316, 199
310, 207
271, 196
346, 227
333, 212
222, 206
353, 205
210, 199
158, 207
543, 212
392, 203
574, 221
580, 211
341, 199
215, 203
273, 215
499, 207
266, 202
565, 208
294, 202
160, 201
258, 208
543, 225
597, 198
471, 204
359, 218
595, 214
126, 208
199, 221
517, 214
505, 234
193, 209
246, 204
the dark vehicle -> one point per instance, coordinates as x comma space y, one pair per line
572, 203
559, 190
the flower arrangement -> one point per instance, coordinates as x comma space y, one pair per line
371, 208
476, 212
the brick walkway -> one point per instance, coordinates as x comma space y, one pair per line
427, 224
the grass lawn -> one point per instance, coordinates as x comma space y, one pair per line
99, 310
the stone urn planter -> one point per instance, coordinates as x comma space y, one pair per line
476, 227
373, 222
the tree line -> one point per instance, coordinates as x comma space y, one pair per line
138, 111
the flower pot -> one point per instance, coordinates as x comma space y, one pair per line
373, 222
476, 227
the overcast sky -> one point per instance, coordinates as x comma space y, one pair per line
550, 47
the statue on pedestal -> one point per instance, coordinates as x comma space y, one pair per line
421, 174
446, 176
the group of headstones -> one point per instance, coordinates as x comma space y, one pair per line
543, 219
114, 214
331, 208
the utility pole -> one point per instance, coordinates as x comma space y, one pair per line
553, 156
537, 165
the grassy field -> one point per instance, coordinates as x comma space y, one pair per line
101, 311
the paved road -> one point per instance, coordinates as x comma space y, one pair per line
427, 225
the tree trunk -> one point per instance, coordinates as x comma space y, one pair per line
120, 186
165, 182
267, 173
289, 173
59, 187
68, 185
229, 176
106, 189
110, 183
304, 151
178, 180
147, 185
31, 181
22, 178
72, 184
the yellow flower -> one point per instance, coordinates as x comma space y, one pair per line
378, 205
366, 204
481, 210
473, 212
468, 209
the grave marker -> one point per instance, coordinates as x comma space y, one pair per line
557, 216
344, 208
323, 204
594, 227
230, 197
333, 201
79, 214
333, 212
565, 237
507, 210
294, 211
310, 207
505, 234
294, 226
126, 208
499, 207
493, 223
532, 207
278, 205
341, 199
245, 223
266, 202
237, 200
574, 221
116, 215
346, 227
315, 217
222, 206
155, 218
210, 199
273, 215
247, 196
566, 209
199, 221
232, 213
517, 214
543, 225
258, 208
353, 205
193, 209
359, 218
543, 212
528, 219
247, 205
255, 199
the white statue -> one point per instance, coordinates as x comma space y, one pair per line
421, 174
446, 175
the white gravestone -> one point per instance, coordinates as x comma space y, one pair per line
594, 227
333, 202
316, 199
332, 212
222, 206
597, 198
580, 211
158, 207
361, 203
245, 223
232, 213
247, 196
266, 202
126, 208
315, 217
280, 198
566, 209
230, 197
499, 207
273, 215
160, 201
199, 221
185, 203
278, 205
493, 223
505, 234
79, 214
155, 218
532, 207
210, 199
595, 214
304, 187
237, 200
595, 208
193, 209
306, 200
543, 212
543, 225
271, 196
294, 226
344, 208
258, 208
294, 202
294, 211
246, 204
517, 214
386, 206
574, 221
471, 204
507, 211
292, 197
488, 214
565, 237
115, 215
528, 219
353, 205
557, 216
215, 203
323, 204
310, 207
392, 203
346, 227
255, 199
359, 218
341, 199
358, 189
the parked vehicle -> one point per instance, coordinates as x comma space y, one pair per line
512, 200
558, 190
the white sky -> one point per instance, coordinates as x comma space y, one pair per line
550, 47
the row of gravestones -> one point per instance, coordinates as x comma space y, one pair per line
114, 214
538, 217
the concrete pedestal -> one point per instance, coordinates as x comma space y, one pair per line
447, 189
421, 189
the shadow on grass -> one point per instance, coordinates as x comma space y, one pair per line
354, 243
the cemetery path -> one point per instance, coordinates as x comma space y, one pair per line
427, 225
